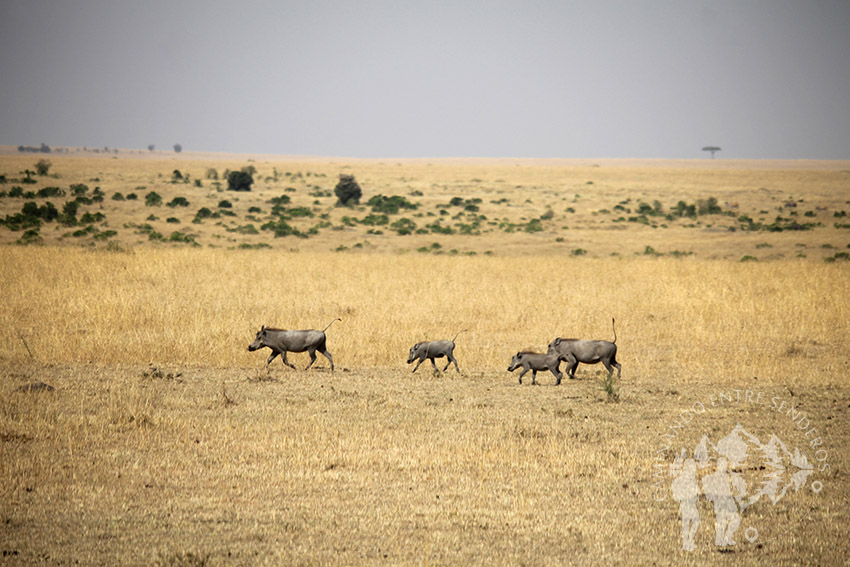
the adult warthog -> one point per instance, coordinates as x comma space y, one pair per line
574, 351
434, 349
281, 341
535, 361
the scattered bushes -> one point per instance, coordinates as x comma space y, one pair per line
390, 205
31, 216
281, 228
403, 226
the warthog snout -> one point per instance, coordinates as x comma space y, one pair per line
258, 340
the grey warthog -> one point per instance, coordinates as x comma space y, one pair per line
574, 351
535, 361
432, 350
281, 341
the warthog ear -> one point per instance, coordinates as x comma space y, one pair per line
557, 341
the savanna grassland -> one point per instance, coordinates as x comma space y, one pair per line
136, 428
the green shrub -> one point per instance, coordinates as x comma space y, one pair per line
42, 167
403, 226
708, 206
437, 228
280, 200
69, 213
178, 202
203, 213
347, 190
244, 229
239, 181
281, 228
89, 218
609, 386
533, 226
104, 235
390, 205
30, 236
46, 192
300, 212
374, 220
181, 237
153, 199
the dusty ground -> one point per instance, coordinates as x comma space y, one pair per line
233, 466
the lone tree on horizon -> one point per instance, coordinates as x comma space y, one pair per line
711, 149
348, 190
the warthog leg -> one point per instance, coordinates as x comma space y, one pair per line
313, 358
286, 361
271, 357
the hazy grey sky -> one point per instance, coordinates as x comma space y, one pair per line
517, 78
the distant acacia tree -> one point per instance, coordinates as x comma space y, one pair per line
239, 181
348, 190
178, 148
711, 149
42, 167
151, 147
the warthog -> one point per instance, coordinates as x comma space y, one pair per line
535, 361
574, 351
432, 350
281, 341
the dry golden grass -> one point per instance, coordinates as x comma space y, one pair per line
202, 307
165, 442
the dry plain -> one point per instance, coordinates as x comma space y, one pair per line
158, 439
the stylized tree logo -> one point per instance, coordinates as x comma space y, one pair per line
726, 488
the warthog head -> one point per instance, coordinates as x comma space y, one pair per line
259, 340
414, 353
516, 361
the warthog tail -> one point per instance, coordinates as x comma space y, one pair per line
458, 334
331, 323
615, 330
